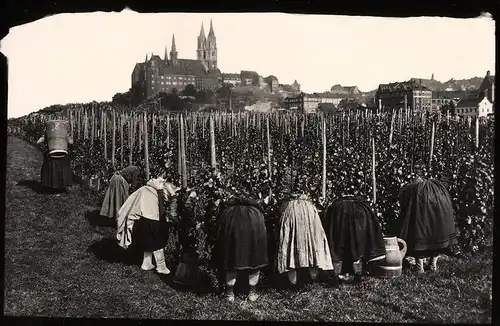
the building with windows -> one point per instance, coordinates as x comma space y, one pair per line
474, 107
394, 96
156, 75
232, 79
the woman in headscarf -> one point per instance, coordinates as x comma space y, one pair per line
118, 191
56, 175
142, 219
354, 235
427, 221
302, 240
241, 243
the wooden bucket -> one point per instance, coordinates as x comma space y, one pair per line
187, 270
392, 265
57, 137
388, 271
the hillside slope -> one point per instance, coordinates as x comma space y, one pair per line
62, 261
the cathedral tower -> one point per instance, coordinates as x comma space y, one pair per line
207, 47
173, 52
202, 40
212, 48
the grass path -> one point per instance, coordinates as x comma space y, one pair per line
60, 262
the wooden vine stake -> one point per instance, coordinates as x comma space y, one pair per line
141, 126
146, 154
374, 180
153, 129
323, 132
477, 132
101, 127
86, 126
92, 130
269, 154
121, 140
168, 130
71, 123
113, 139
213, 160
78, 123
130, 141
433, 133
104, 132
183, 152
392, 129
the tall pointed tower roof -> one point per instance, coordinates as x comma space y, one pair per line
173, 48
146, 60
166, 54
202, 32
211, 33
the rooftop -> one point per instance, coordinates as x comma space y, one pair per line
402, 86
469, 102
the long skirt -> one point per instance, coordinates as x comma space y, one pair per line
353, 231
116, 195
427, 218
149, 235
56, 172
303, 242
241, 239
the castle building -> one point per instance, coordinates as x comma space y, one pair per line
156, 75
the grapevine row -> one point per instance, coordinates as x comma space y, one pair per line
369, 155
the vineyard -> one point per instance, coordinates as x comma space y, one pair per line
272, 156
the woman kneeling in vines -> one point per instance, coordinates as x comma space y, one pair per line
118, 191
302, 240
241, 243
142, 219
427, 221
354, 234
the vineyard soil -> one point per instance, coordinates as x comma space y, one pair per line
59, 261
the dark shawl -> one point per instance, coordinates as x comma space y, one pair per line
241, 235
427, 218
353, 230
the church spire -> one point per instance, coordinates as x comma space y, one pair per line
211, 32
166, 54
202, 32
173, 44
173, 51
146, 60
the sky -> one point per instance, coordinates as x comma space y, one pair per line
78, 58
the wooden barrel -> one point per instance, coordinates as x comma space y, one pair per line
187, 270
57, 137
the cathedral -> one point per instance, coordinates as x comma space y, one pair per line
156, 75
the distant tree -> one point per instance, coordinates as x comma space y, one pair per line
135, 95
224, 90
121, 98
448, 107
189, 90
175, 92
210, 96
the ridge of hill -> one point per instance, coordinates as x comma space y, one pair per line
451, 85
